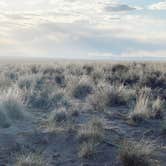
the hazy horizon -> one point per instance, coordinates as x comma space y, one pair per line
83, 29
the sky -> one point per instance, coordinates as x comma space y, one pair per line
84, 29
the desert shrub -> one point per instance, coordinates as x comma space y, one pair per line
58, 116
35, 69
157, 109
153, 79
60, 80
79, 88
29, 80
14, 109
49, 71
136, 153
4, 82
81, 91
75, 70
88, 69
141, 111
12, 76
97, 101
120, 68
119, 95
60, 120
74, 109
24, 84
91, 131
146, 107
46, 98
108, 96
87, 149
97, 75
12, 103
127, 78
4, 120
90, 135
29, 160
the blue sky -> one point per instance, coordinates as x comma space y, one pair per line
114, 29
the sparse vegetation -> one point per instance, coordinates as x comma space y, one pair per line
93, 130
58, 116
90, 134
78, 111
136, 153
141, 110
4, 120
87, 149
29, 160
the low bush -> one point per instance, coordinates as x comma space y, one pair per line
29, 160
141, 111
91, 131
136, 153
4, 120
80, 88
157, 109
87, 149
58, 116
12, 105
110, 96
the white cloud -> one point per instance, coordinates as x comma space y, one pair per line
158, 6
78, 28
119, 8
3, 4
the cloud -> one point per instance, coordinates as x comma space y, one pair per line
78, 28
3, 4
158, 6
119, 8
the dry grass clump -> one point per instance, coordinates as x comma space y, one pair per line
153, 78
88, 69
90, 135
157, 109
4, 120
14, 109
60, 80
46, 98
79, 88
98, 74
28, 81
110, 96
29, 160
119, 95
82, 90
93, 130
87, 149
58, 116
146, 108
11, 106
59, 120
4, 82
141, 110
120, 68
136, 153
